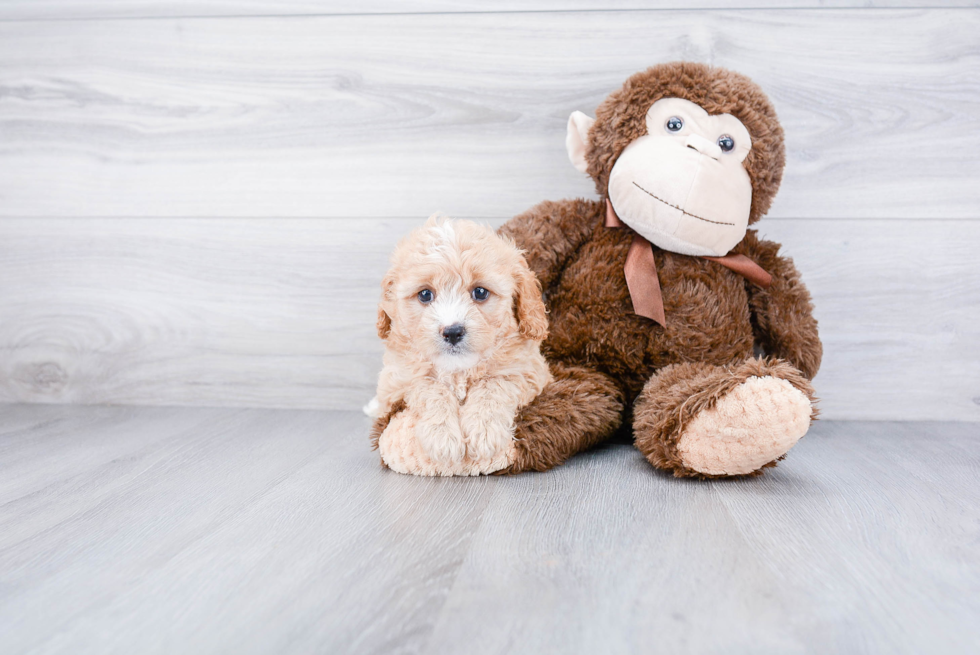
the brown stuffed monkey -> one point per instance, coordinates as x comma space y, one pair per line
660, 300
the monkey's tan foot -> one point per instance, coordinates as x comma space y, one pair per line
754, 424
402, 453
707, 421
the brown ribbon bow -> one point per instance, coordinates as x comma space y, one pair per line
644, 284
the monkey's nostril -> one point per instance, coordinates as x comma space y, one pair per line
454, 333
701, 145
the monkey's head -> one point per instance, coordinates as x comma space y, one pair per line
688, 154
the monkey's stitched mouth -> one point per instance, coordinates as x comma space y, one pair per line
680, 209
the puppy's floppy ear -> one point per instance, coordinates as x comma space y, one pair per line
532, 318
384, 321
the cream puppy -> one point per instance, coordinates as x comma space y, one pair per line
462, 319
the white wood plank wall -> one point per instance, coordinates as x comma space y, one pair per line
197, 199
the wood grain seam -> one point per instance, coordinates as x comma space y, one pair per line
513, 12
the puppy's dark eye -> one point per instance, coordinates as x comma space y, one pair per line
726, 143
674, 124
480, 294
426, 296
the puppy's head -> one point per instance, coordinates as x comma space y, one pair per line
455, 292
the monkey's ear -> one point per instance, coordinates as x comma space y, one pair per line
577, 139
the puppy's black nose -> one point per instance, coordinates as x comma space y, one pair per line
454, 333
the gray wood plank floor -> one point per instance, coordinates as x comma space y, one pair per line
183, 530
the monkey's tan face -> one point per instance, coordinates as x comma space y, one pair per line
683, 186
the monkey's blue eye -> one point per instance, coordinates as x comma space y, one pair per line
726, 143
674, 124
425, 296
480, 294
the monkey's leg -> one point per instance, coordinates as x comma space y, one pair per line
701, 420
578, 409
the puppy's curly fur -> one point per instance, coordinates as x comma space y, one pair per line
462, 318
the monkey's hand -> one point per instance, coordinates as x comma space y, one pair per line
784, 324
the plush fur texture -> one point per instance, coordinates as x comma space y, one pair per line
579, 409
446, 405
666, 376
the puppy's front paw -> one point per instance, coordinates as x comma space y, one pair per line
402, 451
486, 440
398, 445
442, 442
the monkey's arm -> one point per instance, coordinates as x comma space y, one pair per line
784, 324
550, 232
